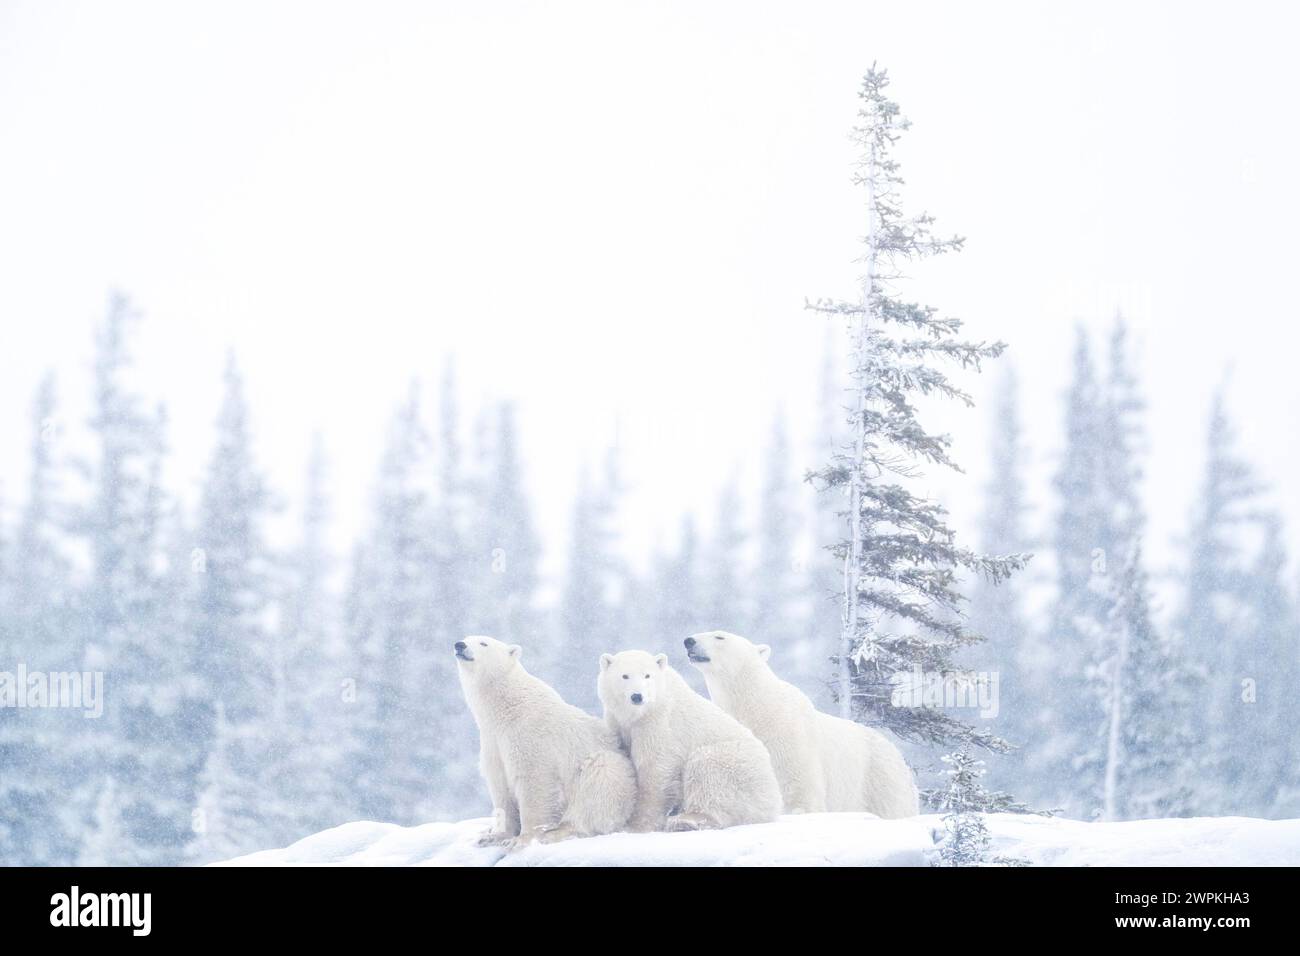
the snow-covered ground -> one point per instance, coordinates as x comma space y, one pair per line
819, 839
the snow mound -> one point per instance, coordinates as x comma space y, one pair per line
815, 839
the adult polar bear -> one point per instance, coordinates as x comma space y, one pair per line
687, 753
822, 762
552, 770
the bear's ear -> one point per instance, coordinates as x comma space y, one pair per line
764, 652
661, 660
514, 650
605, 661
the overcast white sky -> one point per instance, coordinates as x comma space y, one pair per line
614, 211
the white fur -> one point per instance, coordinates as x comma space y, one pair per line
688, 754
821, 762
552, 770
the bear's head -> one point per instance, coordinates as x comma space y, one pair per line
723, 654
631, 683
480, 658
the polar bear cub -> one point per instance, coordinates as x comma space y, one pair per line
552, 770
688, 754
822, 762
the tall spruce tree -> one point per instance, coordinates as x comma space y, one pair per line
1102, 639
1214, 620
996, 611
1144, 695
154, 767
460, 566
1081, 541
307, 706
1111, 617
236, 578
394, 638
235, 582
37, 619
141, 786
901, 561
1080, 521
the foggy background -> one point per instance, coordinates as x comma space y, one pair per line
613, 212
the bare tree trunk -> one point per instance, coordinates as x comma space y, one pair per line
853, 556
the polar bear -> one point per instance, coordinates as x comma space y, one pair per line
688, 754
822, 762
552, 770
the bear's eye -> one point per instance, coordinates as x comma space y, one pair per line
647, 676
482, 643
624, 677
719, 637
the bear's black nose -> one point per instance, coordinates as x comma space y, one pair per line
689, 642
636, 698
460, 645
